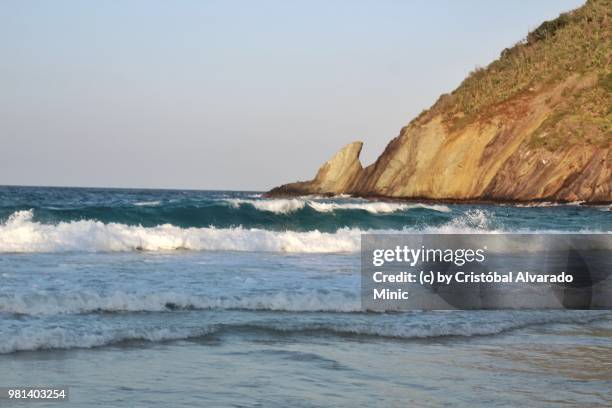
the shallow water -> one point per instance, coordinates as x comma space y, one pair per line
169, 298
538, 366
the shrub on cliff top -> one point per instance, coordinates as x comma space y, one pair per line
575, 43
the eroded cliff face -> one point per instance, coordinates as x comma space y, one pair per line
547, 139
501, 158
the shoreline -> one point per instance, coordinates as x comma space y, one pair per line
429, 200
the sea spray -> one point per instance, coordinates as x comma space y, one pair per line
21, 233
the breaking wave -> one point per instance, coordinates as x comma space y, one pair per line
21, 234
30, 339
289, 205
54, 303
406, 327
154, 203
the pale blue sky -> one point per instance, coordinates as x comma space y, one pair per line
228, 94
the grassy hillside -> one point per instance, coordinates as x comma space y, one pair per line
576, 45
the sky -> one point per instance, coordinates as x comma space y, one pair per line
231, 95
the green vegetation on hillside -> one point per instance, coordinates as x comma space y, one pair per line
576, 44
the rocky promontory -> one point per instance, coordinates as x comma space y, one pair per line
535, 125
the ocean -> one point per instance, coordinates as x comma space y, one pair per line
160, 298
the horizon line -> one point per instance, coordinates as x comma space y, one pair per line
133, 188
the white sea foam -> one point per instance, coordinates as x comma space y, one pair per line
280, 206
33, 338
471, 221
147, 203
286, 206
379, 207
463, 325
54, 303
21, 234
399, 326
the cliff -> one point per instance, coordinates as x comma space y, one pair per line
534, 125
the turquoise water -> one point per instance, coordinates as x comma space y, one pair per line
190, 298
230, 209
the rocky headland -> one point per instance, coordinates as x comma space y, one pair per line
534, 125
